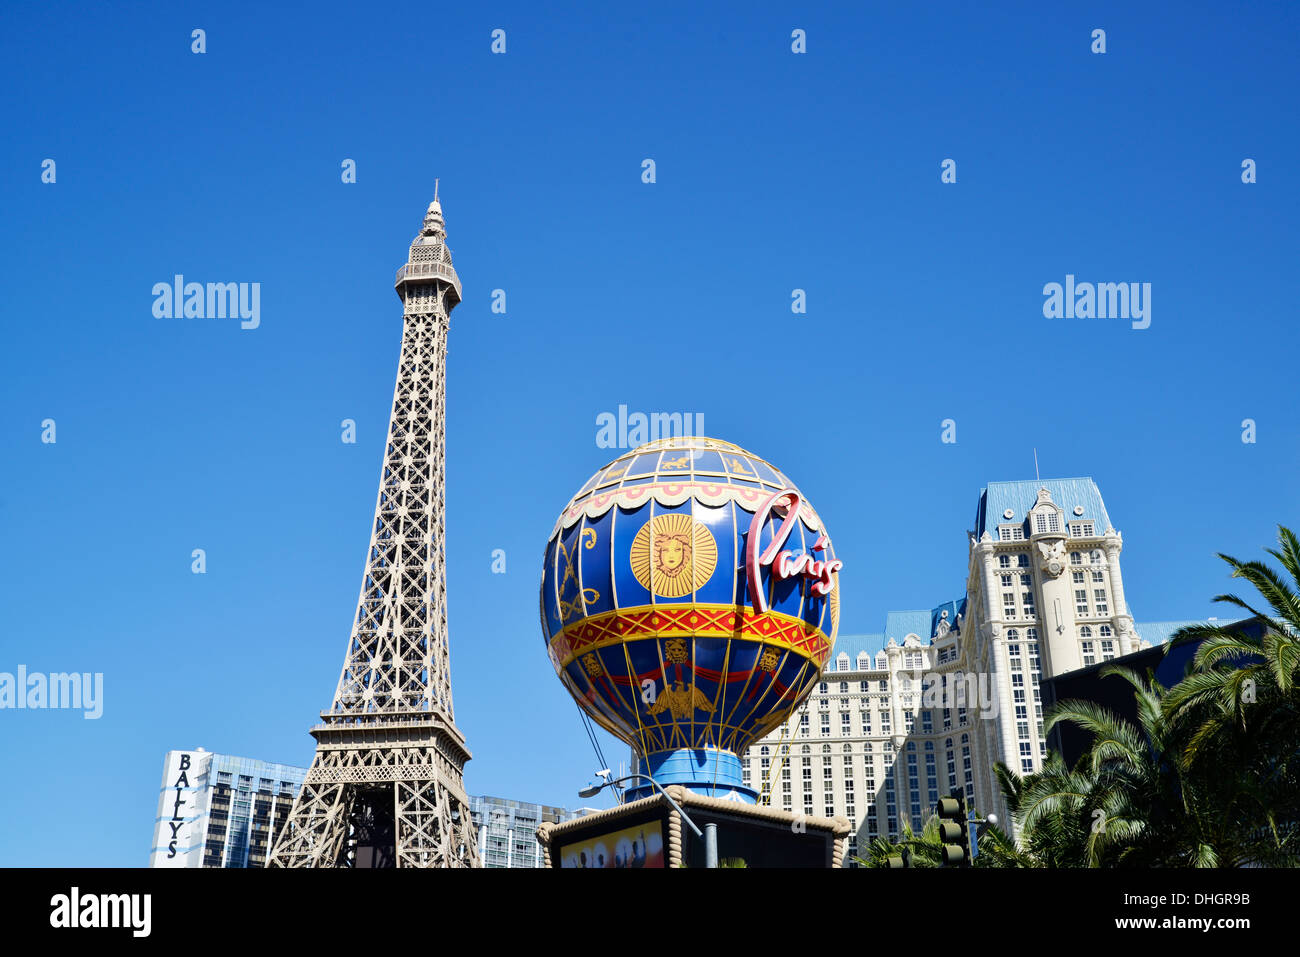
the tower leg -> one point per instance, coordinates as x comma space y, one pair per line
433, 827
316, 829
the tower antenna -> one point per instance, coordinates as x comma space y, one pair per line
435, 189
1037, 477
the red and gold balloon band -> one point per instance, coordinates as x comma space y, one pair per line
747, 703
689, 620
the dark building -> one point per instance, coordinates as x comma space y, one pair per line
1167, 663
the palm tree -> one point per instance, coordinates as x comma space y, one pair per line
1130, 800
926, 849
1241, 700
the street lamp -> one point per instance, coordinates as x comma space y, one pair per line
710, 833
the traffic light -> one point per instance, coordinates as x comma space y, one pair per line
953, 832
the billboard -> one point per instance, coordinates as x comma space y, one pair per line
641, 845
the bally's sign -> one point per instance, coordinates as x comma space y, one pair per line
178, 832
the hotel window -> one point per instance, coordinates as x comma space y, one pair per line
884, 723
864, 662
1078, 577
862, 686
866, 721
844, 687
1026, 580
915, 660
1080, 601
822, 687
1107, 650
1105, 631
1011, 533
1097, 576
1027, 599
1022, 560
1099, 595
884, 685
1094, 556
1004, 561
1006, 581
1089, 658
1008, 605
1076, 558
1040, 523
826, 719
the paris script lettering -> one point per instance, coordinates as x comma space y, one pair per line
784, 563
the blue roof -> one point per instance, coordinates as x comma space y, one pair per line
953, 608
852, 645
900, 624
1020, 497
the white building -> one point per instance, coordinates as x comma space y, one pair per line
925, 708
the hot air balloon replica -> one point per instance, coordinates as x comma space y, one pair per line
689, 601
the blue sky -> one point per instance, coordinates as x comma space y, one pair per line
775, 171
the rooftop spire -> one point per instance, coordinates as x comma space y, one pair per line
433, 222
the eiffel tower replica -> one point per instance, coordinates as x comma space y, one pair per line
386, 787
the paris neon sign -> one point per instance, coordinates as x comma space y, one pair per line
784, 563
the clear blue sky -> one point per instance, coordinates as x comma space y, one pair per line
775, 171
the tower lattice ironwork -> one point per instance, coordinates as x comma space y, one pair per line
386, 787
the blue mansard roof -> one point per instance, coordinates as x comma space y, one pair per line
1021, 496
852, 645
900, 624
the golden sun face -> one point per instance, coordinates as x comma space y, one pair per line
673, 555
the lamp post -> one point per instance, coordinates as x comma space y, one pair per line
710, 833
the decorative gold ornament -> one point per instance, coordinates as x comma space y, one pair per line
673, 555
681, 702
769, 659
594, 668
675, 651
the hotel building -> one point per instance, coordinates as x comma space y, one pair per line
926, 707
217, 810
